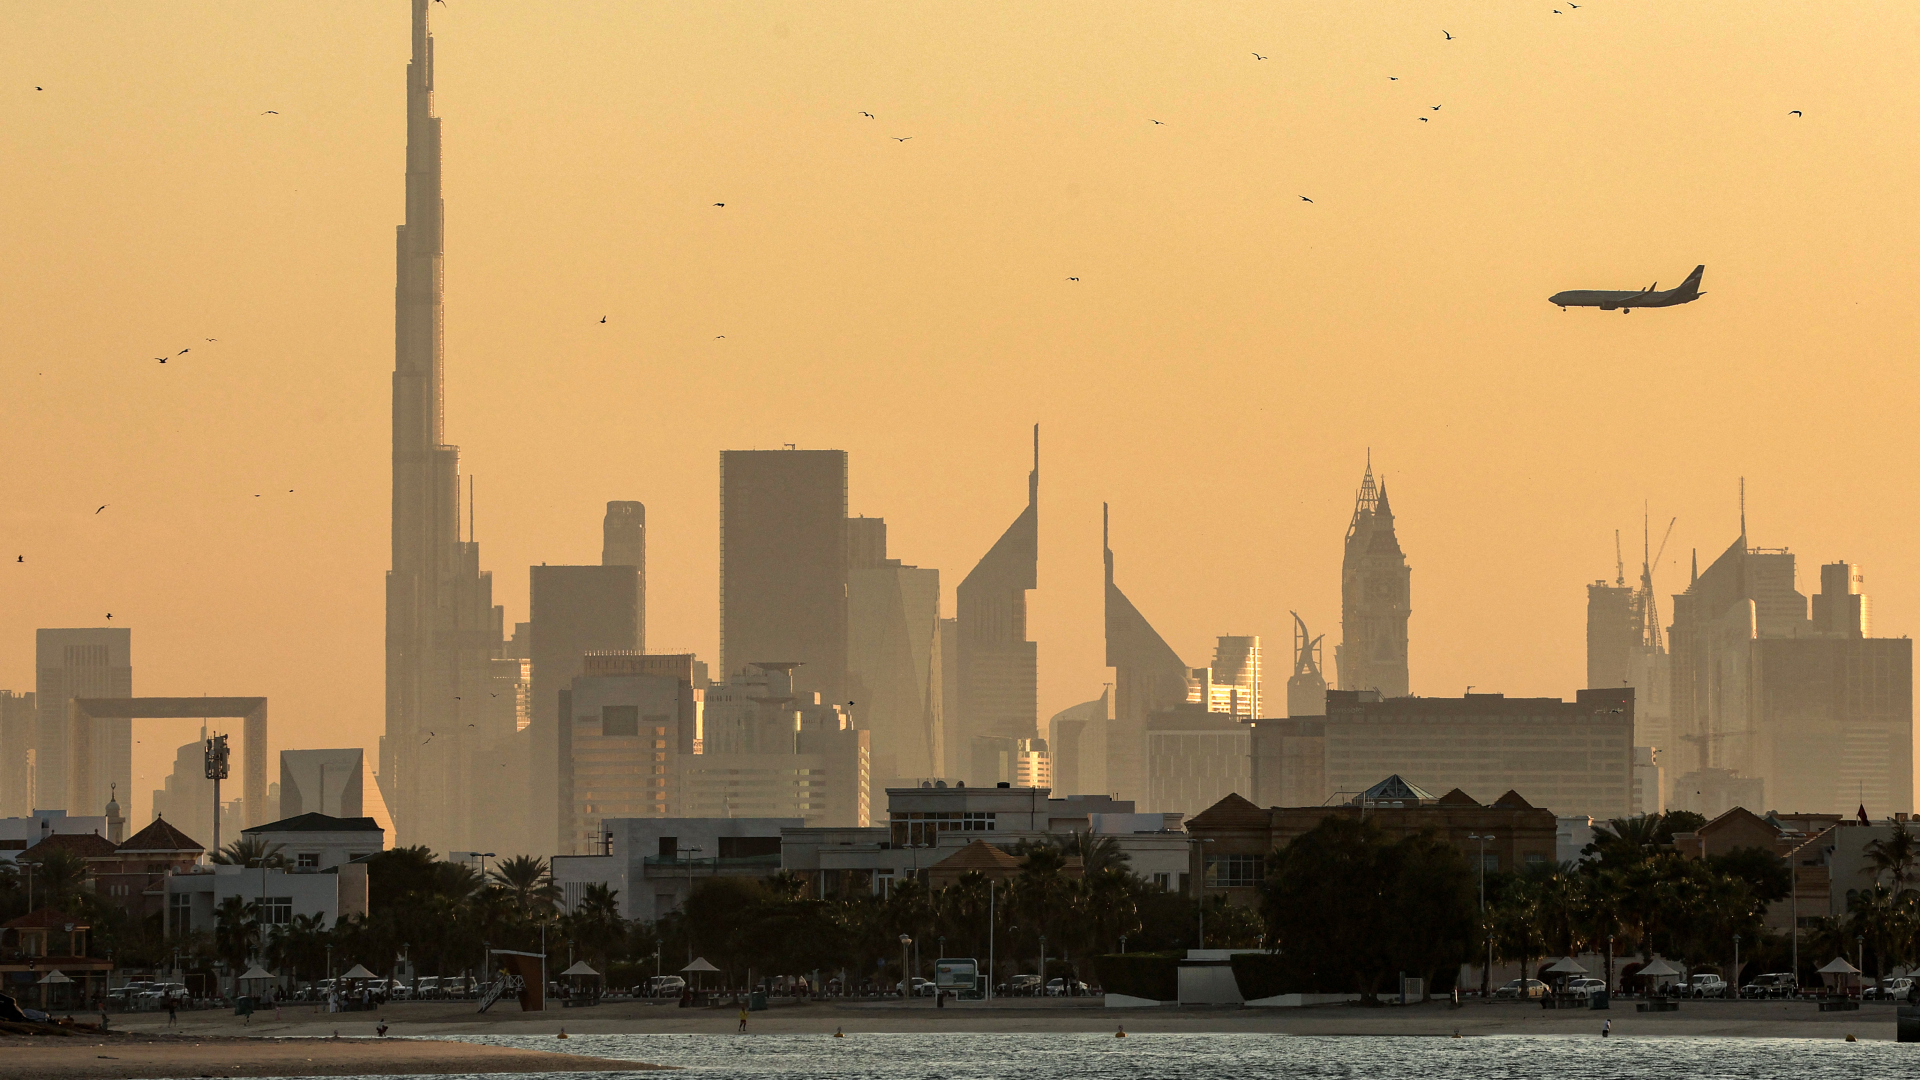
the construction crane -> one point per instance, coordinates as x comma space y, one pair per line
1650, 606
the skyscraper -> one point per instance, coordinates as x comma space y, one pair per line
442, 625
576, 610
1234, 682
783, 565
1148, 678
893, 655
997, 695
1375, 597
624, 543
88, 662
18, 726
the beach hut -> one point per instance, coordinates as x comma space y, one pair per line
1656, 971
1841, 976
583, 987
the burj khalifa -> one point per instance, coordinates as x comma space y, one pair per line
442, 626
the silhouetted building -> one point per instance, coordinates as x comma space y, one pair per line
442, 625
1234, 680
1287, 760
1195, 758
783, 564
770, 750
576, 610
1307, 687
1612, 634
624, 543
996, 668
1570, 757
338, 783
1067, 741
893, 655
1375, 598
1772, 707
635, 719
90, 662
1149, 677
18, 726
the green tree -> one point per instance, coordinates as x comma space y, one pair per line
528, 884
1893, 856
58, 876
235, 931
251, 851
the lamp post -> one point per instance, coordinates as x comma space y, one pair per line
685, 908
1200, 885
1486, 973
1123, 944
1043, 965
1793, 892
906, 976
1736, 965
990, 884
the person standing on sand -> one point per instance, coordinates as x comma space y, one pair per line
1606, 1029
172, 1016
743, 1018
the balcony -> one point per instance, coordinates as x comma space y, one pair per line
667, 865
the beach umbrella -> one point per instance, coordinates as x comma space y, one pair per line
54, 978
1839, 966
1570, 966
359, 971
1659, 969
580, 968
256, 972
700, 964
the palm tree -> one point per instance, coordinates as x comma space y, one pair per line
1097, 853
528, 884
1894, 855
251, 851
233, 932
1625, 841
59, 875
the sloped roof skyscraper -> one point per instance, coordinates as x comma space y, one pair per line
997, 691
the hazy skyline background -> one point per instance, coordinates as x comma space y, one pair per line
1217, 374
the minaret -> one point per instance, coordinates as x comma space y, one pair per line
439, 605
1375, 598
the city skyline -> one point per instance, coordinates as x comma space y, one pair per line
1494, 522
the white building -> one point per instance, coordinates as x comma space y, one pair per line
193, 900
655, 862
319, 842
17, 834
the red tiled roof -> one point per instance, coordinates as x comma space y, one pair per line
161, 836
85, 845
1232, 812
45, 919
978, 855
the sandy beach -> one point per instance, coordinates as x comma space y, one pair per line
1763, 1019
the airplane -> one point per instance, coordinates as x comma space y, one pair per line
1609, 300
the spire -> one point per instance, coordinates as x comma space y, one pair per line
1033, 478
1366, 499
1743, 512
1696, 568
1106, 547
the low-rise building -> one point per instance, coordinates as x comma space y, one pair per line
194, 898
1234, 837
653, 863
17, 834
319, 842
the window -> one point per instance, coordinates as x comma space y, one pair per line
1235, 871
180, 912
277, 910
1490, 863
1163, 882
919, 828
307, 860
620, 720
1534, 858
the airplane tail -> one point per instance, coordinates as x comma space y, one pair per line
1690, 288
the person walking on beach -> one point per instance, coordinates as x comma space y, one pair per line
1606, 1029
172, 1016
743, 1018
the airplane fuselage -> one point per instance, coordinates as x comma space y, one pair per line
1626, 300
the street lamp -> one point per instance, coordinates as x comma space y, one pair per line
1043, 965
906, 976
1486, 973
686, 908
1200, 887
1123, 944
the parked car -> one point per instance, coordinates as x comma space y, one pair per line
1521, 988
1707, 985
662, 986
1021, 985
1773, 984
1066, 988
1586, 988
1890, 990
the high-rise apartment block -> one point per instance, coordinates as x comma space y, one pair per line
624, 543
1233, 683
1574, 758
996, 669
90, 662
1780, 708
575, 610
894, 673
18, 727
783, 564
770, 750
635, 718
1375, 599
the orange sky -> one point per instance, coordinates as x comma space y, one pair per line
1218, 372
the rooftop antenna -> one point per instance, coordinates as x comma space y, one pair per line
470, 537
1619, 565
1743, 511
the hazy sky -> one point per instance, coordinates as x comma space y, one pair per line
1217, 373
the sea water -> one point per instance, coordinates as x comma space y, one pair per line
1082, 1056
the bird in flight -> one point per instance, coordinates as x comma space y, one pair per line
1162, 123
184, 351
897, 138
271, 112
213, 339
109, 616
1257, 56
39, 88
1303, 198
719, 204
22, 558
102, 508
1073, 279
1422, 119
1436, 108
1794, 112
868, 115
718, 337
1449, 36
162, 359
1557, 11
603, 318
1393, 78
